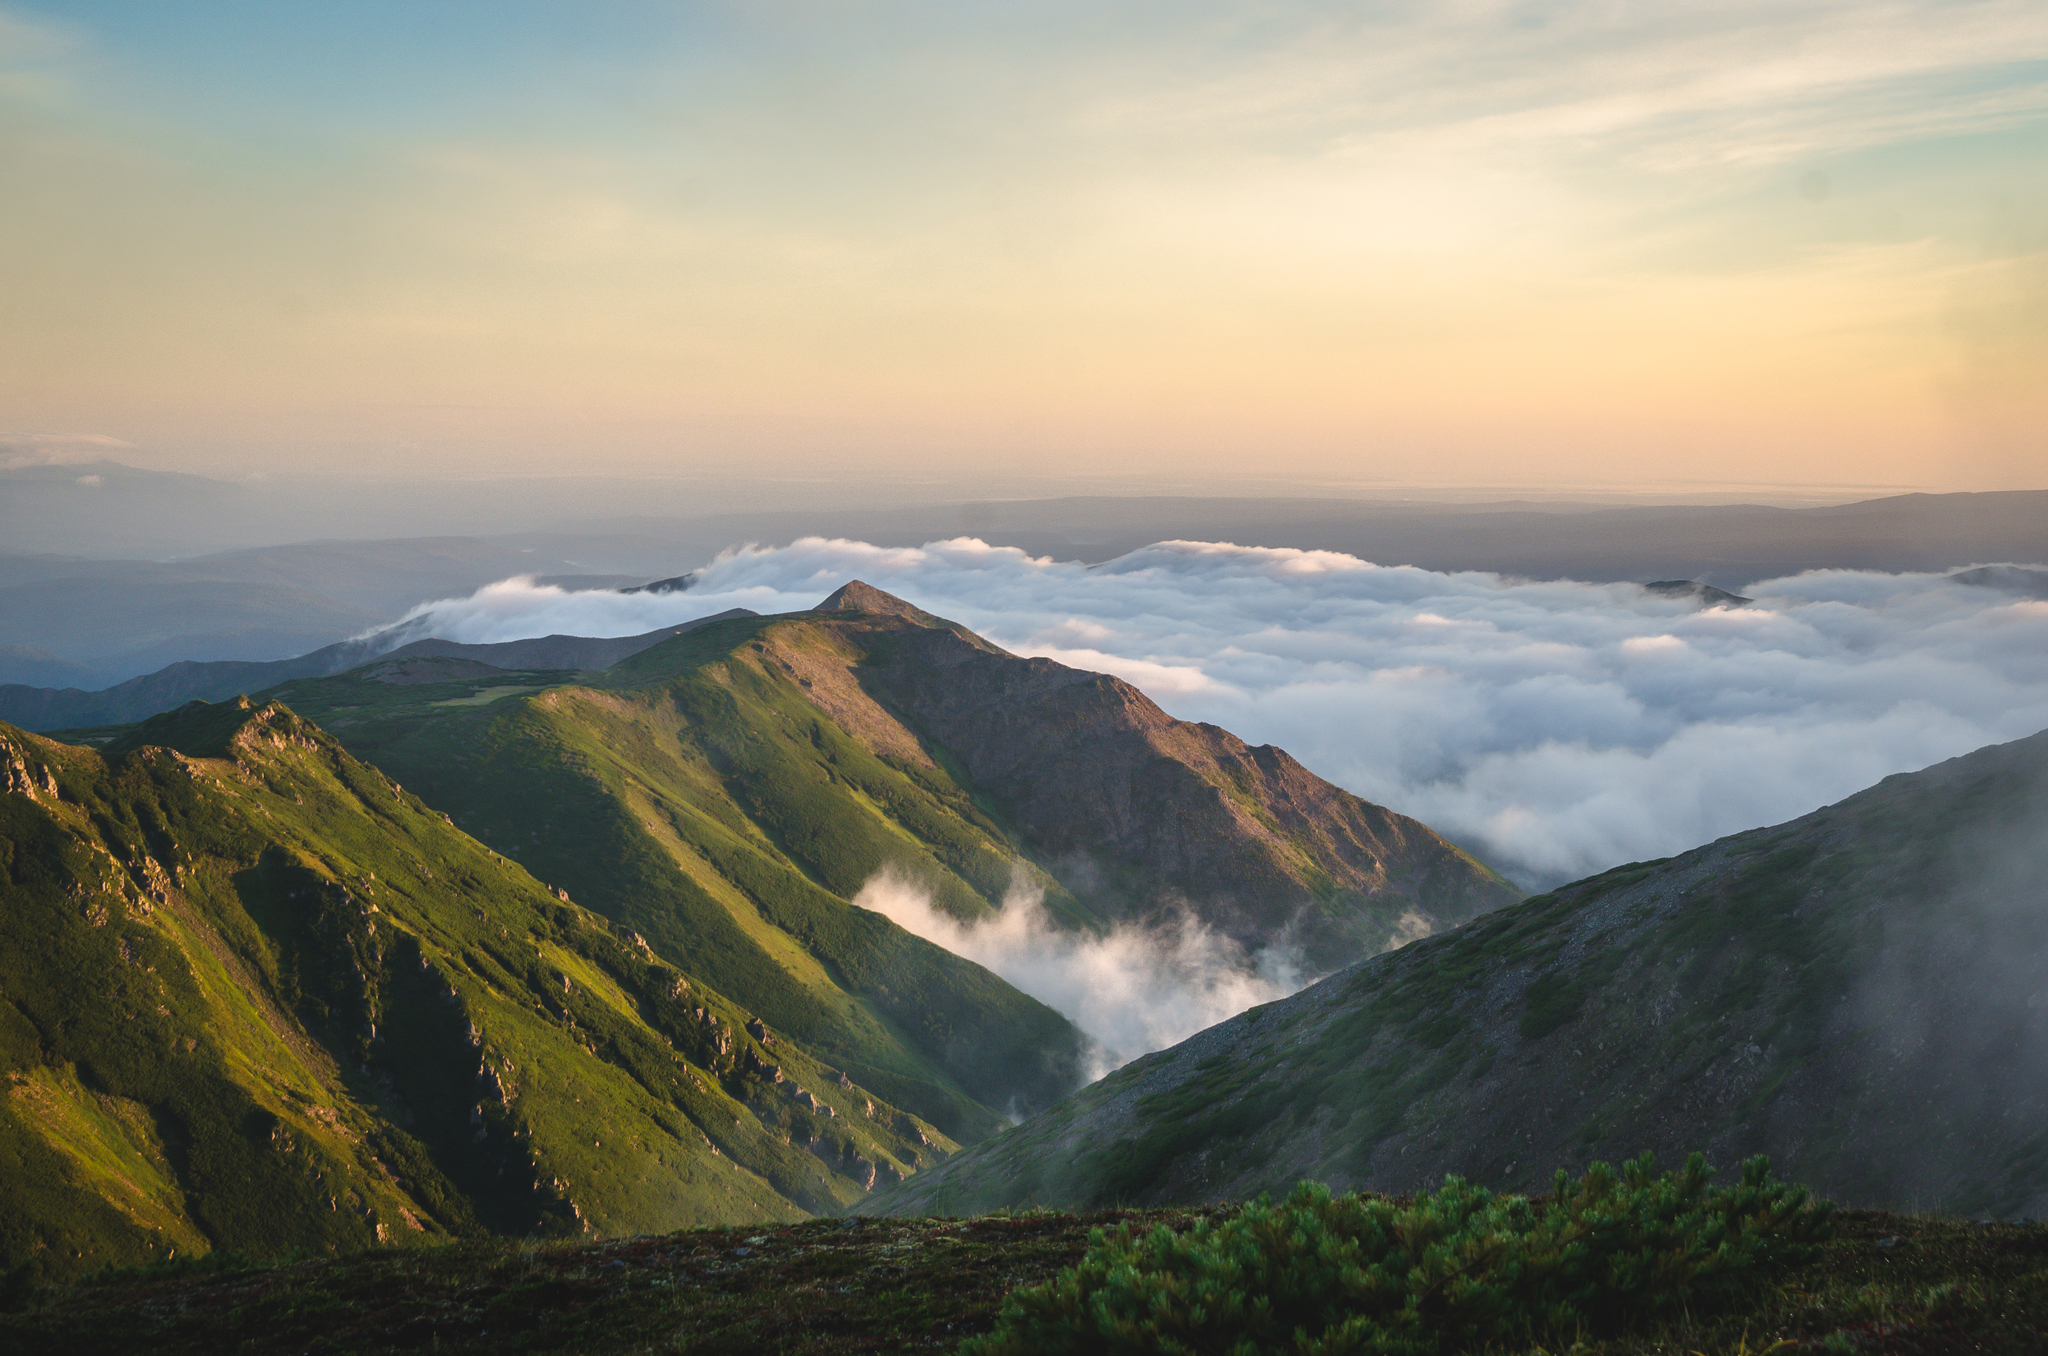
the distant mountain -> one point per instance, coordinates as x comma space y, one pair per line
1861, 993
125, 626
126, 618
1704, 594
255, 995
31, 666
1728, 545
139, 698
2010, 578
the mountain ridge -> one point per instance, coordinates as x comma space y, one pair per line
46, 709
1854, 993
254, 994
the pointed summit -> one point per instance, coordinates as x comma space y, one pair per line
862, 597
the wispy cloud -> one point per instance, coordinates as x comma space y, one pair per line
56, 449
1446, 239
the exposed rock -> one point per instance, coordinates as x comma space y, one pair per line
1134, 811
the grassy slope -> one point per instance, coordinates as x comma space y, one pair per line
254, 995
694, 794
1854, 993
831, 1288
727, 793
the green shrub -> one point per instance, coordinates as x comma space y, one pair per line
1455, 1269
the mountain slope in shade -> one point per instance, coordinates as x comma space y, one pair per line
255, 995
1131, 809
1861, 993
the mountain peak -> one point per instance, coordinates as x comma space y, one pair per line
859, 596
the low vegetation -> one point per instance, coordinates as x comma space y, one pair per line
1458, 1269
827, 1287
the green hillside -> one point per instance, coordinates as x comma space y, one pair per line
1861, 994
725, 821
254, 995
727, 793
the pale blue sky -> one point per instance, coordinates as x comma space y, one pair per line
1419, 243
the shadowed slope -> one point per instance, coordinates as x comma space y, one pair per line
1856, 993
1132, 810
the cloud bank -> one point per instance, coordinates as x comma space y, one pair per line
1135, 990
1556, 728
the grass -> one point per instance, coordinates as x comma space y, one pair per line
271, 1001
695, 795
1884, 1283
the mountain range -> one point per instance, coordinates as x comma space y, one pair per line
729, 792
268, 984
139, 698
68, 621
562, 936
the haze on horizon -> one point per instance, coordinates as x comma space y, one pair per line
1053, 246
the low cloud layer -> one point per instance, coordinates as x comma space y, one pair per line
1556, 728
1138, 989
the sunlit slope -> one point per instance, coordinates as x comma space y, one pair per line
705, 803
254, 995
1862, 994
727, 794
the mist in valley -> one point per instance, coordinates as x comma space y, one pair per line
1133, 989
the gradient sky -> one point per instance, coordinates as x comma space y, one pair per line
1462, 243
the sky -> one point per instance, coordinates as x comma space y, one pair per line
1464, 243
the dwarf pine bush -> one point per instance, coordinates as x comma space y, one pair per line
1320, 1275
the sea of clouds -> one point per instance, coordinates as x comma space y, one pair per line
1555, 728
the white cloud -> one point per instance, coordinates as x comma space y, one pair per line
1556, 728
1131, 991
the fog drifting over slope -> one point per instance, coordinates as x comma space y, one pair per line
1556, 728
1136, 989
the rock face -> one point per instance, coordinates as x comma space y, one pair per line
1858, 993
1132, 810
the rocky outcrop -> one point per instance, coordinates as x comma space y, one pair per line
1135, 811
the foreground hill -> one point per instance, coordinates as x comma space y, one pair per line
254, 995
1857, 993
1883, 1283
728, 792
